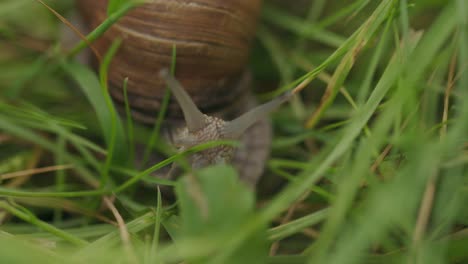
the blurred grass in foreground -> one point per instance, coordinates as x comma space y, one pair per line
369, 161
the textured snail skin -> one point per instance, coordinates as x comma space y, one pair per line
248, 159
212, 39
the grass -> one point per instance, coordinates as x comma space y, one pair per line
368, 161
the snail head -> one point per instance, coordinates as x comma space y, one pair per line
201, 128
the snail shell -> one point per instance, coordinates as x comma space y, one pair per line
212, 38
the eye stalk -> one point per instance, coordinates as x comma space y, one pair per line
193, 116
237, 127
202, 128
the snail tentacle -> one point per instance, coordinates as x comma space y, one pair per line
193, 116
235, 128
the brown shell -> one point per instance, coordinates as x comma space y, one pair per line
212, 39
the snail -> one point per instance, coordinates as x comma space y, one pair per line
212, 38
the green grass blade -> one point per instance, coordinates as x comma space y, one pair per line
93, 91
161, 113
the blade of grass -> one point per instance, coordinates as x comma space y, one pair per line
380, 14
162, 112
306, 30
366, 31
104, 26
31, 218
297, 225
31, 136
113, 238
171, 159
17, 193
89, 84
115, 121
83, 232
114, 5
338, 15
130, 136
157, 227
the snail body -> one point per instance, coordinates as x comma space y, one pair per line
212, 38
